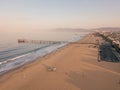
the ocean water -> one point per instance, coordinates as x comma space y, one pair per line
13, 54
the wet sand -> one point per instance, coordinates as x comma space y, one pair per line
77, 68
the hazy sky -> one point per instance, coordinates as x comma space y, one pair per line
46, 14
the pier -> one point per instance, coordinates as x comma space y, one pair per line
40, 41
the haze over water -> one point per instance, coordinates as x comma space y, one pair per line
9, 37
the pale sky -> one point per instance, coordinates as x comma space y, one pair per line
48, 14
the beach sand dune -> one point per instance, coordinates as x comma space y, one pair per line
77, 68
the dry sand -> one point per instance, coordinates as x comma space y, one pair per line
77, 69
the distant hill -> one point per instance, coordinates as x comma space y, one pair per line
73, 29
88, 30
108, 29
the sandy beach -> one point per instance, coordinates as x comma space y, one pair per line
77, 68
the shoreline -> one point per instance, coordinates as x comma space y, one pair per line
28, 62
76, 67
32, 61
